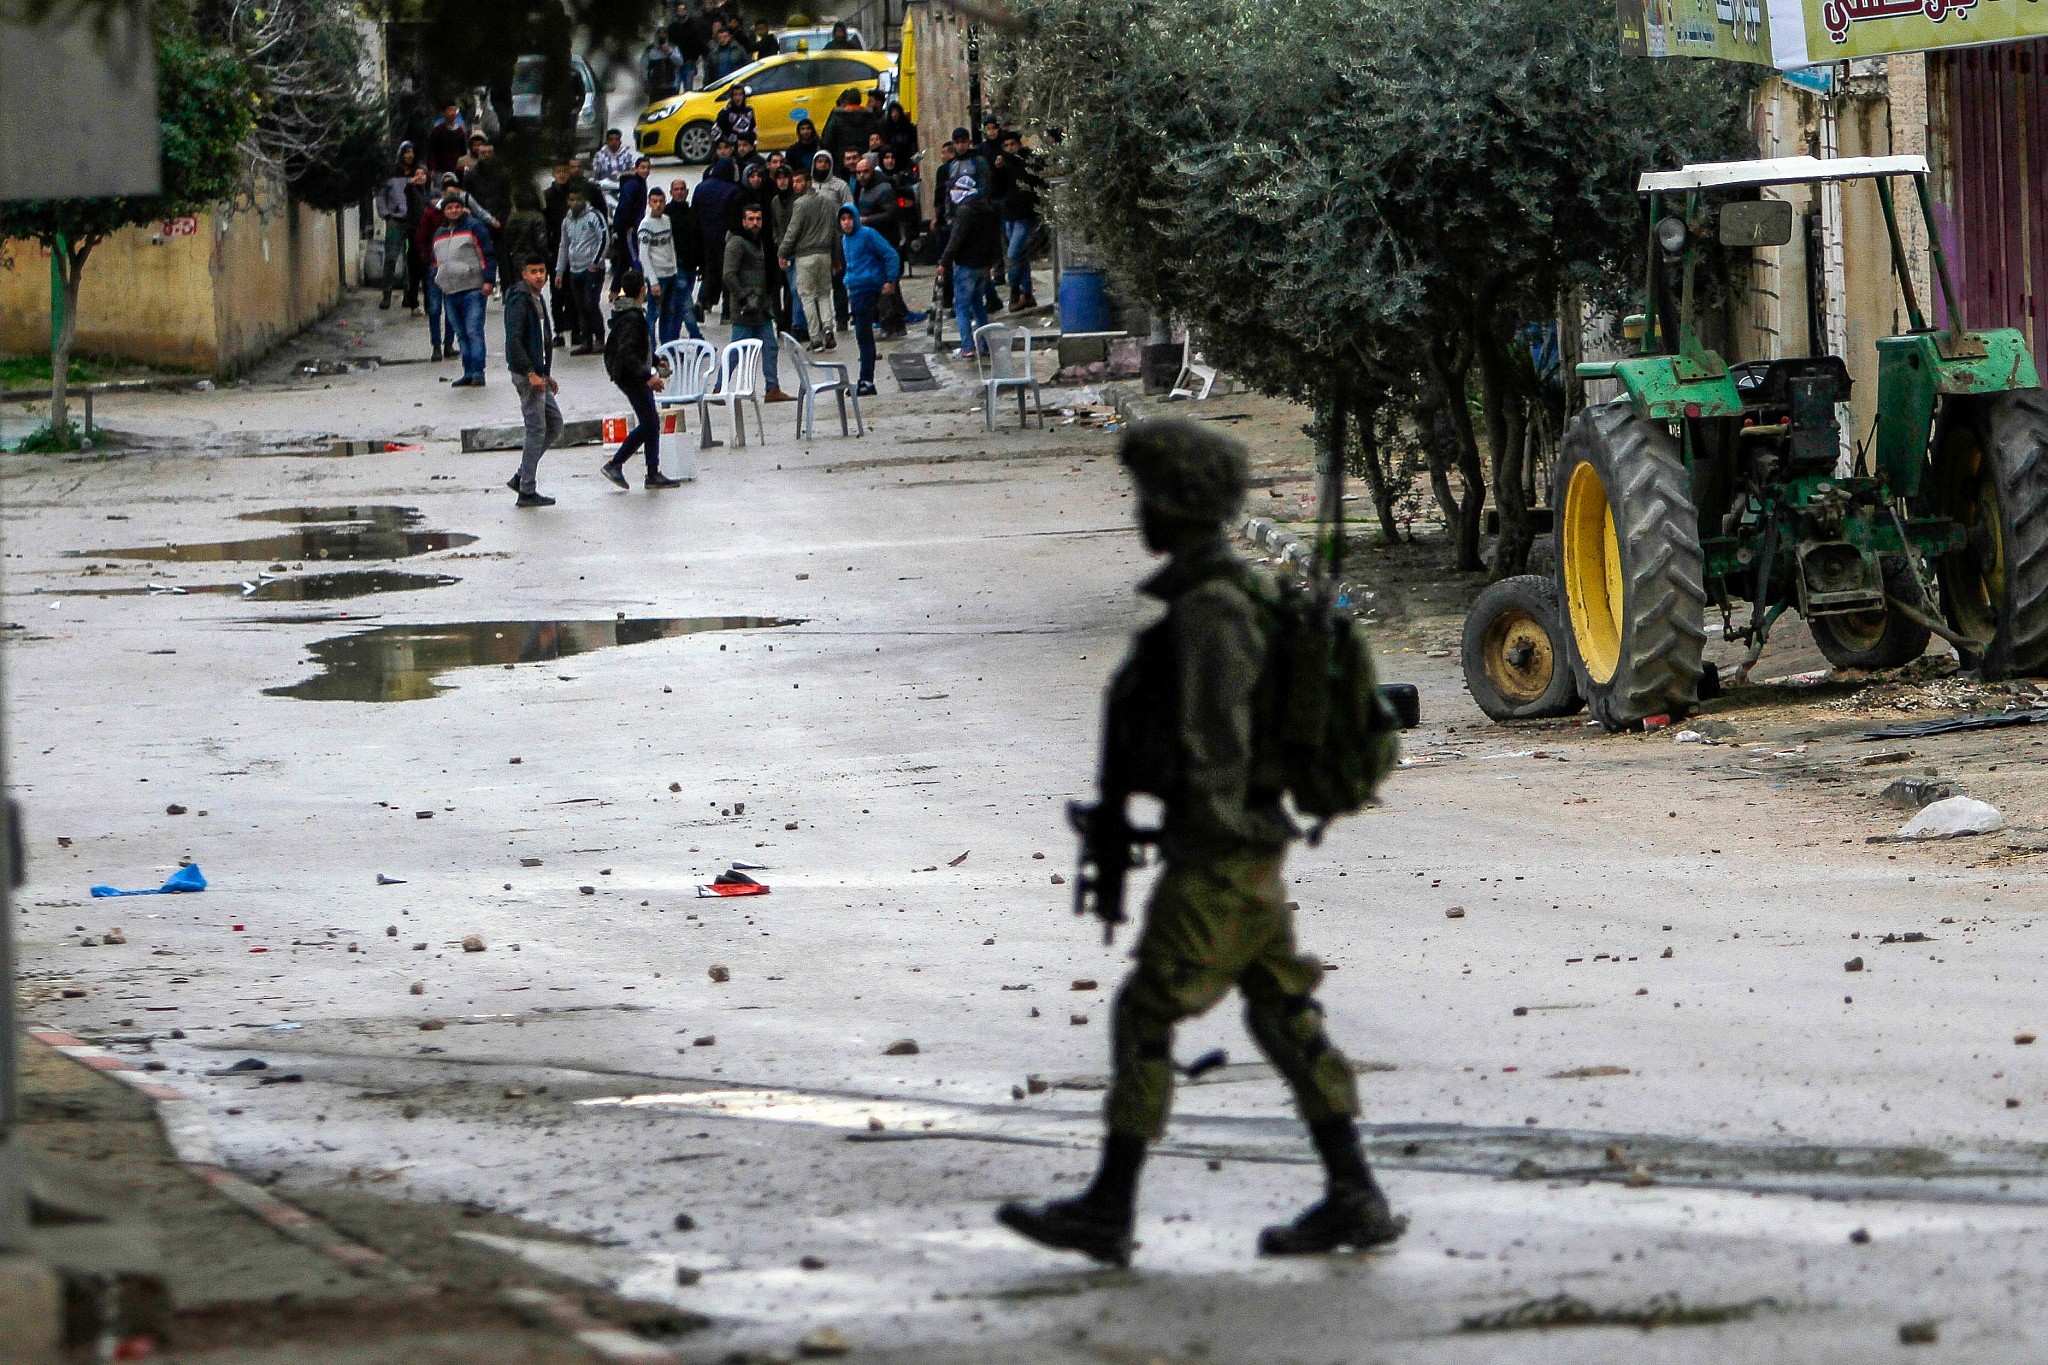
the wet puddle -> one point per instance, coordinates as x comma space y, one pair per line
311, 587
403, 662
329, 533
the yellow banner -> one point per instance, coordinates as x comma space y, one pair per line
1732, 30
1805, 32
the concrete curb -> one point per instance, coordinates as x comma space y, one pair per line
1282, 544
185, 1127
183, 1120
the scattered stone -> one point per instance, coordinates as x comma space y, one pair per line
1521, 1010
63, 842
410, 1111
2023, 1038
529, 862
1039, 856
1016, 1092
820, 1342
790, 824
902, 1047
1916, 793
516, 759
1921, 1333
1640, 1177
988, 943
423, 815
72, 993
1058, 880
1085, 983
811, 1263
685, 1223
473, 943
515, 1092
588, 890
1854, 964
1861, 1236
708, 1040
153, 1065
2012, 1103
1037, 1085
1455, 912
391, 931
1714, 729
874, 1124
1665, 953
246, 1064
1953, 817
739, 808
1077, 1019
432, 1025
88, 942
721, 974
419, 988
675, 786
113, 936
687, 1275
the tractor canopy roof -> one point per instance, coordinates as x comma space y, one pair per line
1784, 170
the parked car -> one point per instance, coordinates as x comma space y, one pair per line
527, 75
782, 89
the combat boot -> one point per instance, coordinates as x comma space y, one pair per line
1073, 1225
1354, 1216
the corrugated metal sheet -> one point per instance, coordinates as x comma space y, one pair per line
1999, 127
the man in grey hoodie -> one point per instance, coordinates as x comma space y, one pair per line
396, 213
579, 268
806, 247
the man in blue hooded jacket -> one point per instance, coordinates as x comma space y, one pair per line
872, 269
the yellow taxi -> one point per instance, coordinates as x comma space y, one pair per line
780, 90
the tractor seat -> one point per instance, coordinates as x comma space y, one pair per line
1768, 383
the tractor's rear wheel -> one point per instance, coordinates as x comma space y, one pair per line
1629, 567
1876, 639
1991, 474
1514, 656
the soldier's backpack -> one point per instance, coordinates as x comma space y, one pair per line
1328, 736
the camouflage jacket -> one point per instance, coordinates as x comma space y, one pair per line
1181, 717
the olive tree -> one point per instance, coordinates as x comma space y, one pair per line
1363, 203
204, 111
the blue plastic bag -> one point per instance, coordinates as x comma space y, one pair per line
186, 878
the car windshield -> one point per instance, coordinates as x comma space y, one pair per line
739, 77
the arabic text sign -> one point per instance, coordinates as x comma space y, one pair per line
1804, 32
1733, 30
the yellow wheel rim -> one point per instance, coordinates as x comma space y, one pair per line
1591, 558
1517, 657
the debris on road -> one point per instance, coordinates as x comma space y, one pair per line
820, 1342
473, 943
1083, 983
1953, 817
732, 883
685, 1223
1854, 964
383, 880
247, 1064
720, 974
955, 862
902, 1047
186, 879
1948, 725
1915, 793
1920, 1333
1455, 912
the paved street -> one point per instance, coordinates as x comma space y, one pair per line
893, 755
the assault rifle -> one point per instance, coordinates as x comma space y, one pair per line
1110, 848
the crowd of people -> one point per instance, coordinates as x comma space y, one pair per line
704, 44
808, 243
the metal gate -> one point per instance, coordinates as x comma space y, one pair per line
1999, 140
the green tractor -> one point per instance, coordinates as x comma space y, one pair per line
1708, 485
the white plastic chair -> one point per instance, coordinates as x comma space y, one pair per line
999, 366
837, 381
739, 381
692, 368
1191, 369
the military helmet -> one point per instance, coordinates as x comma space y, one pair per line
1185, 470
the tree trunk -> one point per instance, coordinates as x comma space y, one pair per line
1471, 511
68, 259
1364, 416
1504, 410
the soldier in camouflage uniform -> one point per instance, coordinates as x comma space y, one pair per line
1181, 727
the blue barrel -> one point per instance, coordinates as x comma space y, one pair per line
1084, 301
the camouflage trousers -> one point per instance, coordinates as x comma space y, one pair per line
1213, 924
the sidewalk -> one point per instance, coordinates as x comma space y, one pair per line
378, 1283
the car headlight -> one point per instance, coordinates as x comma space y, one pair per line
661, 111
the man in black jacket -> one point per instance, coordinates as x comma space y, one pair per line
528, 354
974, 248
1017, 184
629, 360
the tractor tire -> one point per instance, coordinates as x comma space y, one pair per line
695, 142
1872, 640
1630, 571
1513, 651
1990, 472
